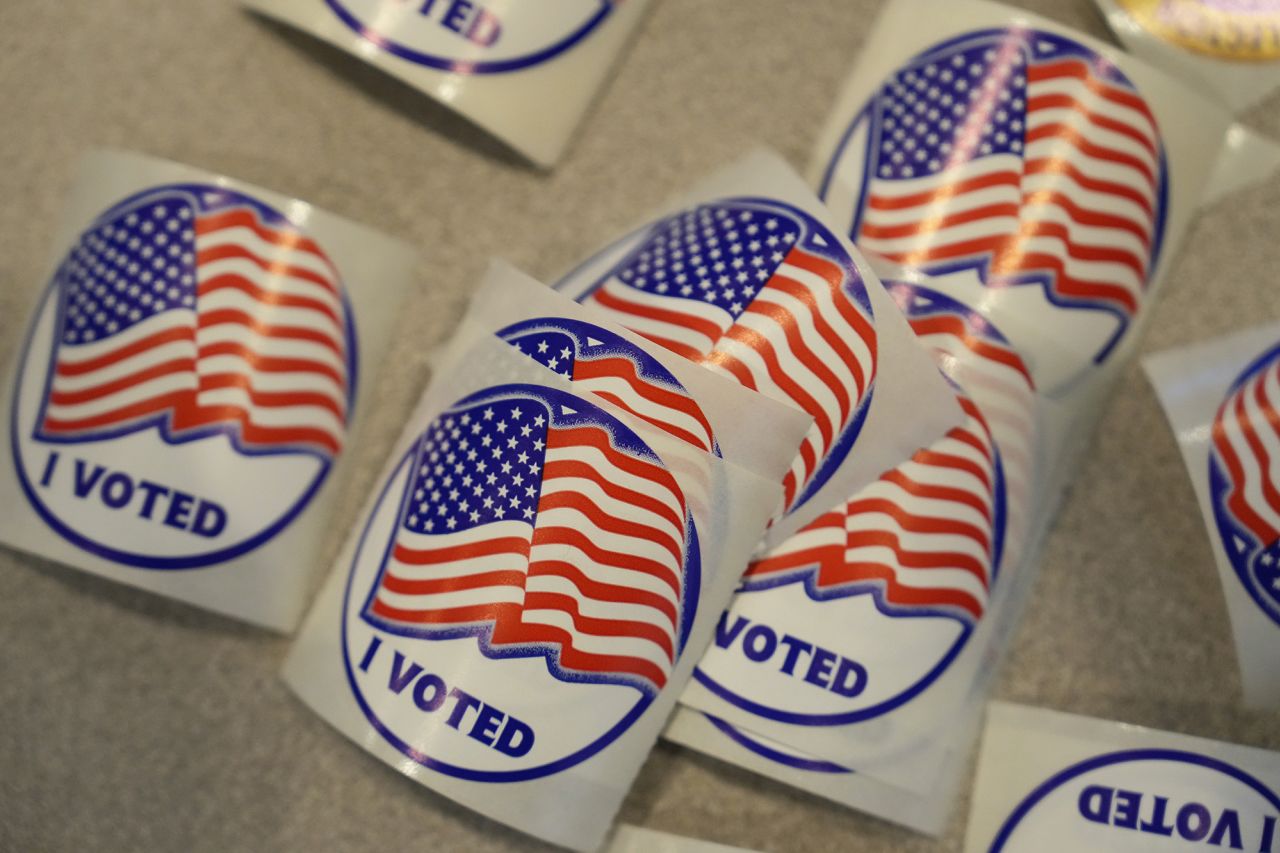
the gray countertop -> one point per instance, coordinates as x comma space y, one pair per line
129, 722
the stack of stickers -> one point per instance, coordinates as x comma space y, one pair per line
770, 470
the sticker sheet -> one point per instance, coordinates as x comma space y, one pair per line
744, 276
1029, 171
190, 382
524, 72
526, 594
1049, 781
1222, 399
1230, 51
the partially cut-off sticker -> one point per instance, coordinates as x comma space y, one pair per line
1049, 781
1223, 400
1227, 49
838, 635
188, 384
1019, 167
746, 279
525, 73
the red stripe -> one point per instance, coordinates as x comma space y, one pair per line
706, 328
256, 434
597, 438
1065, 133
1074, 68
601, 591
567, 537
270, 364
79, 368
224, 316
286, 238
95, 392
507, 632
1099, 186
832, 523
933, 224
133, 411
913, 523
621, 527
946, 192
595, 626
899, 595
586, 370
458, 553
954, 326
270, 298
272, 399
1061, 101
436, 586
922, 560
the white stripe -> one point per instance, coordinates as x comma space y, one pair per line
1096, 135
245, 238
272, 315
1255, 476
935, 579
637, 546
120, 399
1074, 88
599, 609
270, 347
1093, 167
645, 408
173, 351
314, 417
940, 206
644, 325
600, 573
634, 647
275, 381
495, 594
272, 282
173, 318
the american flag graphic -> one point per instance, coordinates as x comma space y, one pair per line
536, 522
1246, 452
194, 309
601, 363
930, 536
761, 292
1021, 154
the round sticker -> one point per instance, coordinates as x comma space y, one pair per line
863, 609
1144, 799
1223, 29
523, 588
464, 37
1015, 162
187, 382
1244, 479
761, 292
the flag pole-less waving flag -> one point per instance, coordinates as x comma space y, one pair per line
763, 293
539, 524
198, 311
1023, 155
930, 536
1245, 468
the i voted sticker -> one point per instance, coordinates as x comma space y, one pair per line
523, 589
1145, 799
188, 380
763, 293
1016, 167
1244, 479
469, 37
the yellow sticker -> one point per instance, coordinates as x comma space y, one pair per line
1246, 30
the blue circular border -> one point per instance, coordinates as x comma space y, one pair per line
1121, 757
488, 776
1219, 485
458, 66
141, 561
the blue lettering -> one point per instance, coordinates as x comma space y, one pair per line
400, 677
1197, 829
850, 680
516, 738
117, 490
179, 510
794, 648
84, 485
1127, 805
759, 651
438, 692
152, 491
1158, 825
485, 29
374, 644
1268, 834
457, 16
1095, 804
820, 667
49, 465
465, 702
726, 635
210, 520
1229, 825
488, 721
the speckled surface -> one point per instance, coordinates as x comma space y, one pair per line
128, 722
